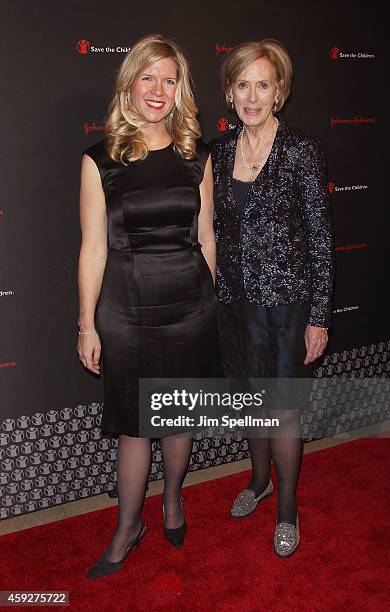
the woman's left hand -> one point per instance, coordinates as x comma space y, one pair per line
316, 339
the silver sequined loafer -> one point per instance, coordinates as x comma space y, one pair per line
246, 502
286, 539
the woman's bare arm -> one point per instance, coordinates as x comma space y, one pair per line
92, 260
205, 221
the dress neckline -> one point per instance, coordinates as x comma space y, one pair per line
240, 181
162, 149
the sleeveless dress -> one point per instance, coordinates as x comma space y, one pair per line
156, 312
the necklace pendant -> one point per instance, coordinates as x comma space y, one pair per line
254, 167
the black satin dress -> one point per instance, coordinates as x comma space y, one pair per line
156, 313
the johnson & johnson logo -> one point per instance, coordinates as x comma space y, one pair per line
351, 121
352, 247
335, 53
92, 127
7, 364
224, 48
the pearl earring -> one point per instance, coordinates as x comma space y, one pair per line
231, 100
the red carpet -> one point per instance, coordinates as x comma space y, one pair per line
229, 565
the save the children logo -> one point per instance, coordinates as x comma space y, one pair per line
222, 124
336, 54
84, 47
333, 188
345, 309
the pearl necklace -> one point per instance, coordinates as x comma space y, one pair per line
252, 167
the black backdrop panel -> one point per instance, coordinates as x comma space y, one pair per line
54, 101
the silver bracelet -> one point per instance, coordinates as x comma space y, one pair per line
93, 331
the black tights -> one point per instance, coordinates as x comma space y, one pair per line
133, 465
285, 447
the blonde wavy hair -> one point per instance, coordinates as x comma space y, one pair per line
248, 52
124, 123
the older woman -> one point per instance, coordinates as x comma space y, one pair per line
146, 189
274, 262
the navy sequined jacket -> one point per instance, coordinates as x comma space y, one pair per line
279, 248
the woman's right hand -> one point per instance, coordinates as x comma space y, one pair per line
89, 350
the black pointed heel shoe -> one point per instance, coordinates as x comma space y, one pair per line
104, 566
175, 536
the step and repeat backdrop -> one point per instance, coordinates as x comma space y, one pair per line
59, 65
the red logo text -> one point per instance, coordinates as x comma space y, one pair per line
352, 247
93, 127
219, 49
7, 364
351, 121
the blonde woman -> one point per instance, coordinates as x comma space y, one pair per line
146, 270
274, 263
